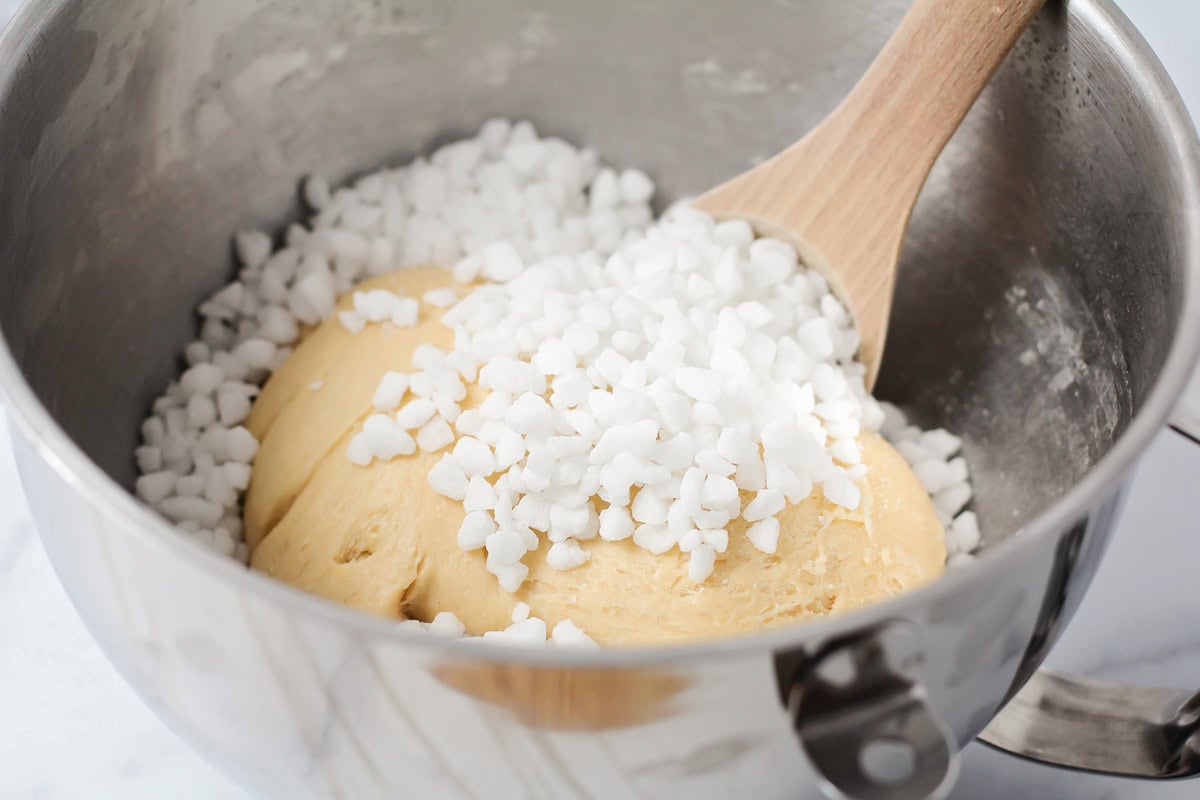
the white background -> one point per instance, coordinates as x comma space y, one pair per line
70, 728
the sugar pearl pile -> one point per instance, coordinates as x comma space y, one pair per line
693, 363
660, 368
525, 630
532, 196
934, 457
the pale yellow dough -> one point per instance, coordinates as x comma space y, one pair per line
379, 538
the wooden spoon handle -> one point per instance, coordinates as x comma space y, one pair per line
915, 94
843, 193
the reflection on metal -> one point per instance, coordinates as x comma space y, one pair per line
1102, 727
572, 699
1056, 601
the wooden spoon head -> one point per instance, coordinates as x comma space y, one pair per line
843, 194
861, 270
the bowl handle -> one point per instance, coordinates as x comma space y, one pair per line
1071, 721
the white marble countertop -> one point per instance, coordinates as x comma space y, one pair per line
63, 704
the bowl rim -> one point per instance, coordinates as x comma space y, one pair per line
1128, 50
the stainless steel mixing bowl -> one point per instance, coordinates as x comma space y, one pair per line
1048, 309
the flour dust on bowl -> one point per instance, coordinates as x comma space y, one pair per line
1046, 312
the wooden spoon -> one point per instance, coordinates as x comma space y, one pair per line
843, 194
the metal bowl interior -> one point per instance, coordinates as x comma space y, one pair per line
1046, 278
